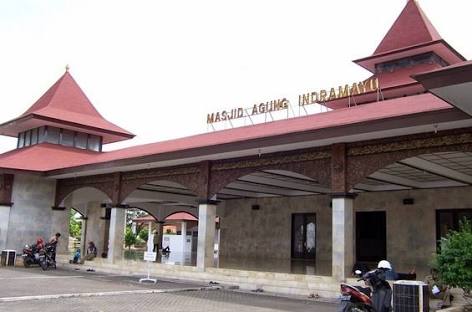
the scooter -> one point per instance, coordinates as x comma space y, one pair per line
376, 298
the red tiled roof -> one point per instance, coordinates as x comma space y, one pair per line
181, 216
66, 102
45, 157
412, 27
336, 118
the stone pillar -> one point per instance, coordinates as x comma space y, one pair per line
183, 231
96, 226
343, 236
206, 234
60, 224
4, 220
116, 234
83, 237
160, 232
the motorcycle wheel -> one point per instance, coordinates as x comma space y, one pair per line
358, 308
26, 263
44, 265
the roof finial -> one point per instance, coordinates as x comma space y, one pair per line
67, 67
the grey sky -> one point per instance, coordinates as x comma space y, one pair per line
157, 67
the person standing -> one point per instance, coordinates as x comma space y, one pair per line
155, 241
53, 241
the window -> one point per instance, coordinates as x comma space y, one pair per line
42, 132
81, 140
34, 136
448, 219
59, 136
27, 138
425, 58
53, 135
94, 143
21, 140
67, 137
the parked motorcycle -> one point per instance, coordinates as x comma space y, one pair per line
46, 257
376, 298
31, 254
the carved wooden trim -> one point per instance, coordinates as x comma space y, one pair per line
159, 173
269, 161
420, 143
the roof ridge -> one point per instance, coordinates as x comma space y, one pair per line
411, 27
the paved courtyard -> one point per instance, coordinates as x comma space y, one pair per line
65, 290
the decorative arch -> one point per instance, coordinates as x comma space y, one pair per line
146, 211
364, 161
223, 174
186, 177
103, 183
130, 191
87, 193
79, 212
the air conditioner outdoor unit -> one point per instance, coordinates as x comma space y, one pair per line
410, 296
8, 257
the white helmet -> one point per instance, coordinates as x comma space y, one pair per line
384, 264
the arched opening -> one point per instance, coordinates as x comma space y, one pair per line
155, 208
275, 220
76, 230
403, 209
85, 221
140, 225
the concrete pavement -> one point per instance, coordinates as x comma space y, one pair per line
66, 290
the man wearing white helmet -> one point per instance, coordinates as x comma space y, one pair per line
390, 273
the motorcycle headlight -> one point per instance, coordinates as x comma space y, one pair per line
26, 246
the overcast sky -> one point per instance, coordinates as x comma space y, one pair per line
156, 68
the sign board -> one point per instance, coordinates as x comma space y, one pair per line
150, 256
308, 98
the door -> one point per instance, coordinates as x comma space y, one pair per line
304, 235
371, 236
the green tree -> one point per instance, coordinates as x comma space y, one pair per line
130, 238
144, 234
454, 260
74, 225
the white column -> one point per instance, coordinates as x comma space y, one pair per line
116, 234
96, 227
60, 224
183, 231
343, 236
206, 235
4, 220
83, 237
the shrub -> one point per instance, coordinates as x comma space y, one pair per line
130, 238
74, 225
454, 260
144, 234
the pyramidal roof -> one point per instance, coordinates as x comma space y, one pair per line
65, 105
411, 34
412, 27
64, 95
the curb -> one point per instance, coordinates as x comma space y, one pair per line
102, 294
